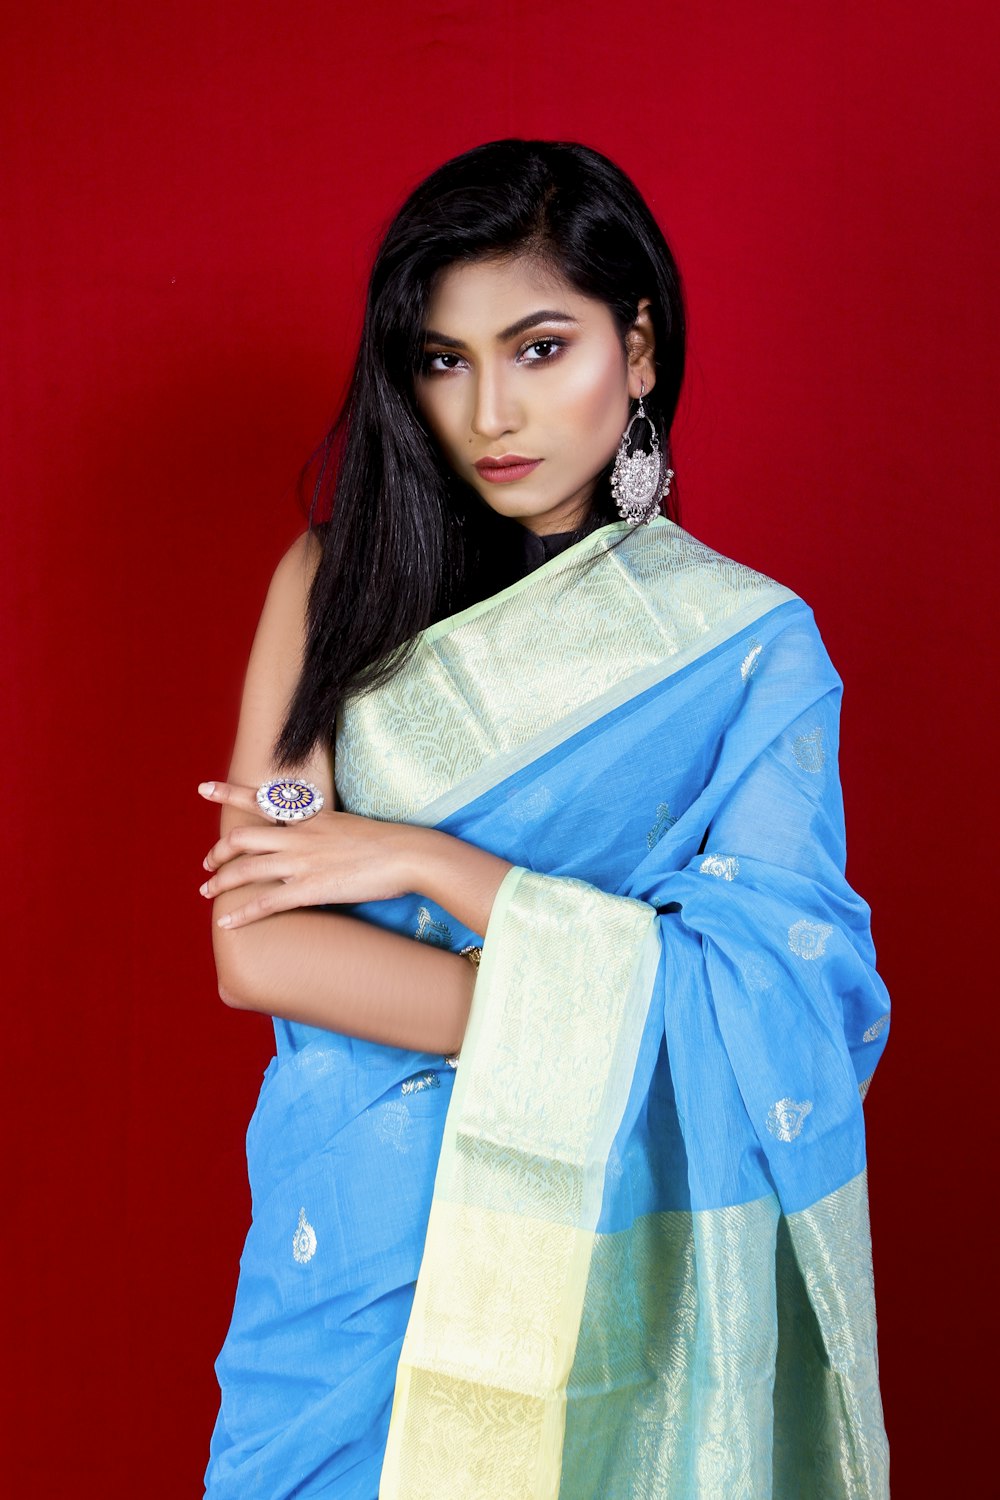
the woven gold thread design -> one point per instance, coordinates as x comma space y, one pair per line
493, 1330
478, 687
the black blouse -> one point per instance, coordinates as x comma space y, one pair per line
538, 549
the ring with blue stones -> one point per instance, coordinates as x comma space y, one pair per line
285, 800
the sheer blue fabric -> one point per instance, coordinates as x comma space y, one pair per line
712, 795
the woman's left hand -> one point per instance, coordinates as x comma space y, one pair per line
331, 858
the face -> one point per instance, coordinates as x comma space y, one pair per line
520, 367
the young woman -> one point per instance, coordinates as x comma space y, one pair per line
586, 1218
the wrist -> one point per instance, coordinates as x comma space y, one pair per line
432, 862
455, 874
416, 859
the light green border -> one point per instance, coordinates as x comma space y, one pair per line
528, 580
498, 767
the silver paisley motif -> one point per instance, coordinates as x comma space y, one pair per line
392, 1125
786, 1118
304, 1240
808, 939
529, 807
722, 866
759, 974
749, 663
664, 820
808, 751
876, 1029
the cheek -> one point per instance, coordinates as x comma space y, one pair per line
437, 411
593, 399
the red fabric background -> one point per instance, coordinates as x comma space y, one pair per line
194, 193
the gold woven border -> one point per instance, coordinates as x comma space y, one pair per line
493, 687
479, 1405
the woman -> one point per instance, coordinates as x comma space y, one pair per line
589, 1219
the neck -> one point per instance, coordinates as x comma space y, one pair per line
548, 527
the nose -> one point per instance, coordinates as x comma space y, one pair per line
495, 411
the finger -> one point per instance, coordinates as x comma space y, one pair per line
231, 793
248, 838
278, 898
245, 870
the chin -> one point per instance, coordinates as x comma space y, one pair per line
511, 506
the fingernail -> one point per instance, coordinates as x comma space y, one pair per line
205, 865
206, 788
204, 888
224, 921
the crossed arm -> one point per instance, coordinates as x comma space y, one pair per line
331, 969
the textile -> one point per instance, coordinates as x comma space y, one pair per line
623, 1250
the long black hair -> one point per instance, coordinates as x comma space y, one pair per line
406, 541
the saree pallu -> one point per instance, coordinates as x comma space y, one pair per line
623, 1251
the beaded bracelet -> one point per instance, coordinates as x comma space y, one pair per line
473, 954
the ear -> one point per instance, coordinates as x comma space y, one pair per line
640, 347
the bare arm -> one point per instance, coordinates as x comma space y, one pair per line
331, 969
336, 971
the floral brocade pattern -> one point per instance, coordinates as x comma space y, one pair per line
641, 1334
478, 687
479, 1406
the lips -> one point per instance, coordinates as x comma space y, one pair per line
507, 461
506, 468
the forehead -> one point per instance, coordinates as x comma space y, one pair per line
475, 299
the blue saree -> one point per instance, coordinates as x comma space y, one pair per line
623, 1250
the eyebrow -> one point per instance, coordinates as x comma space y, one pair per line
544, 315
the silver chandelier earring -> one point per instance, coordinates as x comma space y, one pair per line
637, 481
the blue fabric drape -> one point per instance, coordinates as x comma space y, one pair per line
713, 796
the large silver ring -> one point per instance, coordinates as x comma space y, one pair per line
285, 800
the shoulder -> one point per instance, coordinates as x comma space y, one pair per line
704, 600
281, 627
684, 552
297, 566
682, 578
284, 610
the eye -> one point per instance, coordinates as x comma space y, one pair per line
439, 363
538, 351
542, 350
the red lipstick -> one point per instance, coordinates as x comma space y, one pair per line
507, 468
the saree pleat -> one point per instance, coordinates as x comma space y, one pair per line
632, 1255
341, 1150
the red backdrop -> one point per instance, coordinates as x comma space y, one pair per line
195, 191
